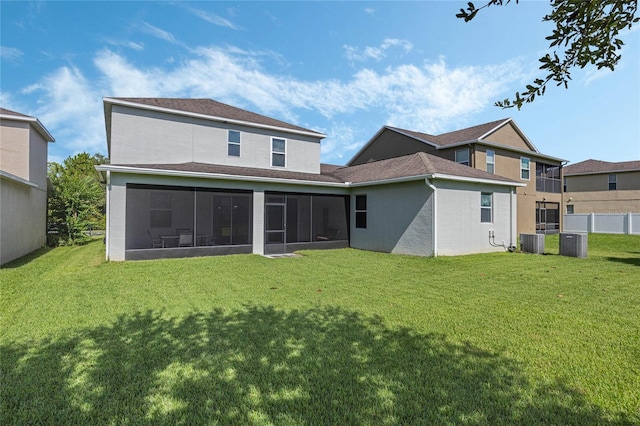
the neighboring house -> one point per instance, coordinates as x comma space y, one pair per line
499, 148
594, 186
23, 184
194, 177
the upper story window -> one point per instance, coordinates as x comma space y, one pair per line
486, 207
361, 211
524, 168
613, 182
462, 156
491, 161
564, 184
547, 178
233, 143
278, 152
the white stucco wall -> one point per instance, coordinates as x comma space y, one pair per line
399, 219
23, 215
150, 137
459, 230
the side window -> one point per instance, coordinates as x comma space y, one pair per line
569, 208
462, 156
361, 211
491, 161
524, 168
278, 152
613, 182
233, 143
486, 207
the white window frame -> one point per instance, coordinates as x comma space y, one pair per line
613, 181
570, 209
273, 139
489, 207
467, 162
230, 142
528, 168
492, 162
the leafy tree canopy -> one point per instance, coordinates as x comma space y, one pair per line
77, 201
587, 32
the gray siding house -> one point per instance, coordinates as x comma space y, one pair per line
195, 177
23, 184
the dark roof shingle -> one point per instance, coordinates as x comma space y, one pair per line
212, 108
597, 166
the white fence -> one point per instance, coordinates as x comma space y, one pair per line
603, 223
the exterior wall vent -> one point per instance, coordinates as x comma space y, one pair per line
574, 245
532, 243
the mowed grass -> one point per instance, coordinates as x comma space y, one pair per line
332, 337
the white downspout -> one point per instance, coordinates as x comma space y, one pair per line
108, 230
511, 224
434, 234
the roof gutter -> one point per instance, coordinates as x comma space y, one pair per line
178, 173
34, 122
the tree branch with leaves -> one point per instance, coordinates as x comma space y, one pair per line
586, 33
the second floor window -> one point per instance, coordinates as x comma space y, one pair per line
613, 182
547, 178
278, 152
233, 143
491, 161
462, 156
524, 168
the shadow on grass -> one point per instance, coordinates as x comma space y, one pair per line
27, 258
264, 366
633, 261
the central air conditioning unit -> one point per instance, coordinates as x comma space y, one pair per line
532, 243
574, 245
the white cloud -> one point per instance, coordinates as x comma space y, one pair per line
10, 53
146, 27
126, 43
377, 53
369, 10
427, 97
71, 109
213, 19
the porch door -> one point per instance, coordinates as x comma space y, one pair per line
275, 227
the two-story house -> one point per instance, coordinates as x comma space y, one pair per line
23, 184
500, 148
194, 177
594, 186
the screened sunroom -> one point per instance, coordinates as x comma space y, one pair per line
164, 221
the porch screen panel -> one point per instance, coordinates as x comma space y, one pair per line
155, 216
329, 218
298, 218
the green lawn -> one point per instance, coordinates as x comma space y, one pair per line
332, 337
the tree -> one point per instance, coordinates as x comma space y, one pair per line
587, 30
77, 201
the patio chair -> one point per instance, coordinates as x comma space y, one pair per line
328, 234
185, 240
155, 242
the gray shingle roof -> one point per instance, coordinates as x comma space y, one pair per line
219, 169
462, 135
418, 164
597, 166
414, 165
209, 107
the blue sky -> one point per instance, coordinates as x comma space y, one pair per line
342, 68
